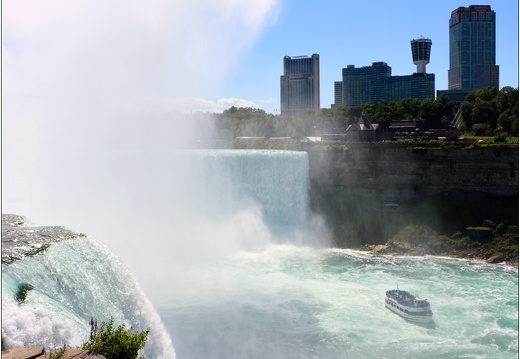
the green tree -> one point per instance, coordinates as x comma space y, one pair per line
385, 112
427, 111
408, 109
492, 110
443, 107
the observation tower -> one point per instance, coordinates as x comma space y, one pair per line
421, 49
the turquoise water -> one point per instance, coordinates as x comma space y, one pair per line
280, 301
217, 252
75, 280
291, 302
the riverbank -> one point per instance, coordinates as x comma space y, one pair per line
483, 244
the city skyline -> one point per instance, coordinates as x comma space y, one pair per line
394, 44
208, 57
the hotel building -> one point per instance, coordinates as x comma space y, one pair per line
472, 32
370, 84
300, 84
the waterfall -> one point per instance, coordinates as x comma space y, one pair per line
276, 181
161, 213
72, 281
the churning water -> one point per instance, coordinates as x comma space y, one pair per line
297, 302
240, 269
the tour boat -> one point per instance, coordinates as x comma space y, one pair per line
411, 307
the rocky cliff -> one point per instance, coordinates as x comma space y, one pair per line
365, 191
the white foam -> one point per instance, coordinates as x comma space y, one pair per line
74, 280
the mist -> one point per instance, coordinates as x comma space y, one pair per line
84, 79
94, 123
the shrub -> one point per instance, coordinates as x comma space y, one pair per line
58, 354
481, 129
500, 137
120, 343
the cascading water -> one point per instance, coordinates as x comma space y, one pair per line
213, 201
72, 280
276, 181
215, 240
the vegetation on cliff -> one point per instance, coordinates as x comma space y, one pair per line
116, 343
485, 112
493, 246
490, 112
107, 341
458, 225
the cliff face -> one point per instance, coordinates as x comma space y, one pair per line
353, 188
397, 172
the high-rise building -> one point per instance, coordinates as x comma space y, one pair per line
472, 52
300, 84
472, 48
370, 84
419, 85
365, 84
338, 93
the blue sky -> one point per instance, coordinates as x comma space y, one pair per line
359, 33
211, 54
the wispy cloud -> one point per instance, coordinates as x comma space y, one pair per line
195, 104
102, 54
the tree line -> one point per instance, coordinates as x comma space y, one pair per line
485, 112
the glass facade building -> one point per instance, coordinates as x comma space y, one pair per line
338, 93
364, 84
300, 84
370, 84
419, 85
472, 48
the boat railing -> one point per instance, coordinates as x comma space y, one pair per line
405, 298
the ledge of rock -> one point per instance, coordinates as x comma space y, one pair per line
38, 352
24, 353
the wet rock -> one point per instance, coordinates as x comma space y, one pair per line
495, 259
379, 248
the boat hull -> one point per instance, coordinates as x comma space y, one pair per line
404, 312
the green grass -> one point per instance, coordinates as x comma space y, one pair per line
491, 139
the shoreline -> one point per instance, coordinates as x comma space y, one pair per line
393, 248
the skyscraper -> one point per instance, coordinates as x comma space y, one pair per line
365, 84
370, 84
300, 84
472, 48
